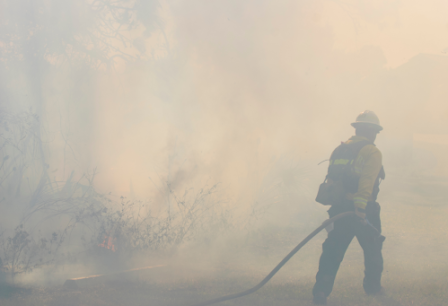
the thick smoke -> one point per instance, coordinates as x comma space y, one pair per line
157, 101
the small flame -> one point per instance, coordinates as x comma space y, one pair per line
108, 243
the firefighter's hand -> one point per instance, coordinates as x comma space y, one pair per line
361, 213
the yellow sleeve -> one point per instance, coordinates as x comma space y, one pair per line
369, 162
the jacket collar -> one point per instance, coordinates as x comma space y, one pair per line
355, 138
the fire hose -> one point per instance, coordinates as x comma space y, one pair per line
281, 264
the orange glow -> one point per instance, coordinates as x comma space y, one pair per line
108, 243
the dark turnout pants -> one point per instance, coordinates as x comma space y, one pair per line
334, 247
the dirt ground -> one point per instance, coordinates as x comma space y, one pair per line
285, 291
415, 273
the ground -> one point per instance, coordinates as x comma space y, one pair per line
294, 291
415, 252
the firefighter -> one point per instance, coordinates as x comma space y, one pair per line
357, 165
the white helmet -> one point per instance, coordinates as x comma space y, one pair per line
368, 119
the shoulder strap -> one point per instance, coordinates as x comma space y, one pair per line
343, 158
348, 151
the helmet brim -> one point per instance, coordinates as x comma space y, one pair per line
369, 125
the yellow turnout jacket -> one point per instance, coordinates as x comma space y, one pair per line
367, 166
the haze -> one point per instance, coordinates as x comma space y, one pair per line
146, 100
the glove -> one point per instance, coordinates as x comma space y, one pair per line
361, 213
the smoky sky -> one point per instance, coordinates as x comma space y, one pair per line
194, 92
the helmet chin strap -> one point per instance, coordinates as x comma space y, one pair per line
368, 133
